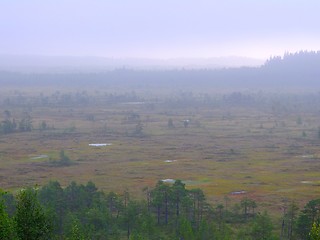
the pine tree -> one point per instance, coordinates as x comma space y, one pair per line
6, 224
262, 227
32, 223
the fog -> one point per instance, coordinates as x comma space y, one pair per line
196, 119
299, 71
69, 64
159, 30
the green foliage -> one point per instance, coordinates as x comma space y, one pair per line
96, 222
198, 205
9, 124
64, 159
75, 231
6, 223
160, 201
51, 196
244, 233
315, 232
248, 206
291, 219
308, 216
205, 231
9, 202
185, 230
179, 196
221, 231
82, 212
262, 227
30, 218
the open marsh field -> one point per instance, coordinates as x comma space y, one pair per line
265, 146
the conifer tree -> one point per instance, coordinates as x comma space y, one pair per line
6, 224
31, 221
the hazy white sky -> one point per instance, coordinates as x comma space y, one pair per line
159, 28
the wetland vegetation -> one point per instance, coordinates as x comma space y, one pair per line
239, 144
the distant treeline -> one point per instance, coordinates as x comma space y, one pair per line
301, 69
169, 211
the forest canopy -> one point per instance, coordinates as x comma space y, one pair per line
169, 211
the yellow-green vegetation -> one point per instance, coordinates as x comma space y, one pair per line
270, 151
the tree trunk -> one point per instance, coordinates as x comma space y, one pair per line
166, 203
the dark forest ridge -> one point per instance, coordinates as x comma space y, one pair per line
85, 64
298, 70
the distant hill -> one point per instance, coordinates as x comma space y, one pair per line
60, 64
301, 68
303, 60
298, 70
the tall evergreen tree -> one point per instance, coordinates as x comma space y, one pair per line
31, 221
6, 223
51, 196
308, 216
160, 200
262, 227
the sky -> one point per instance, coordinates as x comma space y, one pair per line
159, 28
